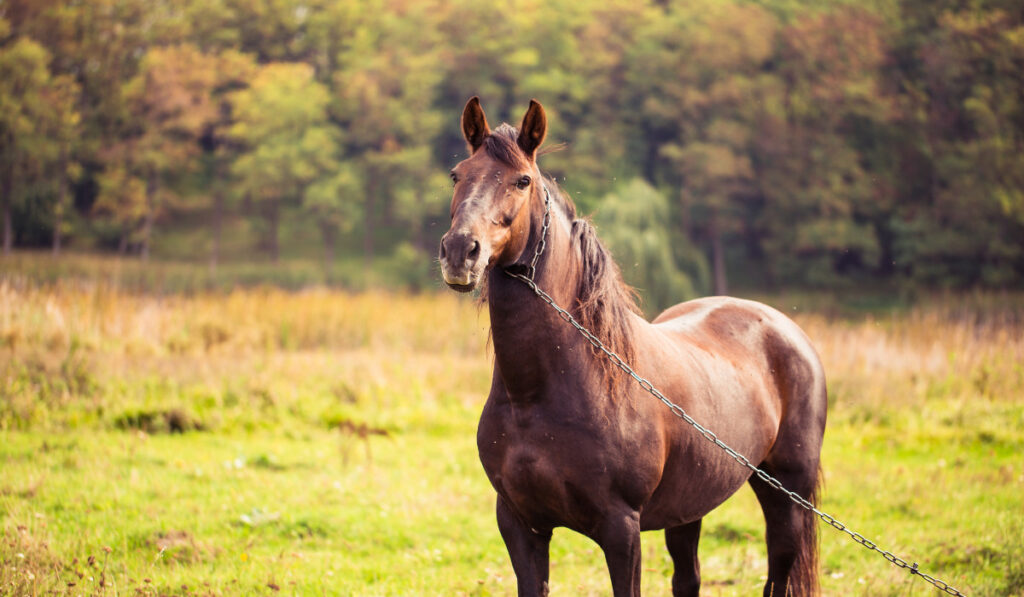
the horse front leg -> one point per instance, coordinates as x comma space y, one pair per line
619, 538
528, 550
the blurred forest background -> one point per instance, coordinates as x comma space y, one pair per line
719, 144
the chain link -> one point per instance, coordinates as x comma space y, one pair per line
542, 243
704, 431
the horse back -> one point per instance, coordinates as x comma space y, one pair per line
748, 333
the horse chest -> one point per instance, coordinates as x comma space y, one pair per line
557, 472
521, 444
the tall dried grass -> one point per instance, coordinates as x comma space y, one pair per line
930, 351
965, 350
74, 351
102, 317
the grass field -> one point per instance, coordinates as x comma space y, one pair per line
319, 442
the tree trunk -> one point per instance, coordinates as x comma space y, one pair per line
273, 222
58, 219
6, 197
368, 230
329, 233
62, 197
8, 225
685, 217
218, 213
717, 257
147, 226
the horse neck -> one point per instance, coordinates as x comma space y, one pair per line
531, 342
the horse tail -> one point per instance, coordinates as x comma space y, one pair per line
803, 578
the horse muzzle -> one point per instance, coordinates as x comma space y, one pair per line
464, 281
461, 261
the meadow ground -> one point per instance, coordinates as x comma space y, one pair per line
319, 442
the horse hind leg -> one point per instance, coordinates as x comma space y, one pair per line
682, 546
791, 533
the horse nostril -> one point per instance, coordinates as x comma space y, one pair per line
474, 251
444, 251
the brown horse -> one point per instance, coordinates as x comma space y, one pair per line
567, 440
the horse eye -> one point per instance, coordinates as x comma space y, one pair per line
523, 182
455, 177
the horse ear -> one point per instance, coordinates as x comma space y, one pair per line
533, 129
474, 124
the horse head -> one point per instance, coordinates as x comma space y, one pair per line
494, 189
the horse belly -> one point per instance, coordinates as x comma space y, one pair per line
690, 491
699, 475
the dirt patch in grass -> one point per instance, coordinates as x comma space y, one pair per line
179, 547
158, 421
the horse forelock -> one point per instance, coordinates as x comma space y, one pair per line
502, 145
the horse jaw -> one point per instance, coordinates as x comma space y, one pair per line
460, 279
467, 284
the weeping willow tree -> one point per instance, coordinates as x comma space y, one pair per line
634, 221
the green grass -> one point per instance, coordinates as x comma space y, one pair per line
314, 512
327, 446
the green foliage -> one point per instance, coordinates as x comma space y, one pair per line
38, 122
281, 122
168, 107
334, 200
818, 144
634, 221
962, 228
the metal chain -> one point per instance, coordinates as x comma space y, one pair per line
542, 243
705, 432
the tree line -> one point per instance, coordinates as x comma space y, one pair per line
758, 143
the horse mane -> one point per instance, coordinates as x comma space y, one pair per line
604, 303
